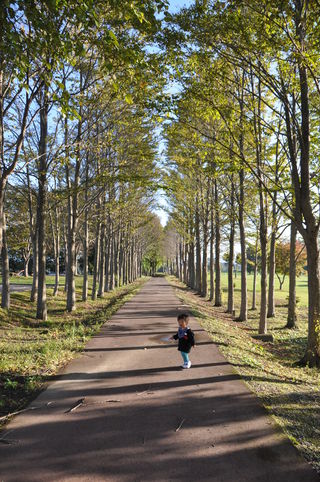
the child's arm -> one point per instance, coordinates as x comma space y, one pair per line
174, 337
191, 338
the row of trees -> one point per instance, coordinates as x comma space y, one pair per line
77, 150
242, 145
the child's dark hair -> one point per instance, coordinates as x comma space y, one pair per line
183, 316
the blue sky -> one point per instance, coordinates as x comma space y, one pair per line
174, 6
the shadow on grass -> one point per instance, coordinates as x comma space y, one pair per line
17, 391
198, 314
26, 317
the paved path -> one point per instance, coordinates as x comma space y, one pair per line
16, 288
135, 398
19, 287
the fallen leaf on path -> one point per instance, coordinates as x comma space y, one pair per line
144, 391
180, 424
77, 405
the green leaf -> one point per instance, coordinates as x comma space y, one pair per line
128, 99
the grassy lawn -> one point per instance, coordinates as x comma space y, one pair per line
280, 295
290, 393
50, 280
31, 351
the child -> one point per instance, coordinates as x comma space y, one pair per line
186, 339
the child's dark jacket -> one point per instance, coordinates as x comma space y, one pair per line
185, 342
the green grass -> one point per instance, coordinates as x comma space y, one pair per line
50, 280
31, 350
290, 393
280, 295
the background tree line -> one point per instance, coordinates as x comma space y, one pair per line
242, 148
78, 153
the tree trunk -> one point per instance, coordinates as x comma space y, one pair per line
66, 262
312, 354
26, 267
120, 258
107, 265
177, 260
5, 294
2, 141
85, 258
111, 284
263, 246
132, 259
102, 261
292, 302
272, 267
86, 237
35, 259
204, 287
2, 215
96, 263
255, 269
42, 208
211, 268
230, 305
191, 266
71, 271
116, 260
33, 236
230, 269
57, 265
198, 248
272, 255
304, 216
263, 215
55, 229
125, 265
41, 221
218, 293
243, 316
73, 216
205, 221
281, 281
185, 263
181, 261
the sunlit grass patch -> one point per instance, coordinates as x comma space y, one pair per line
281, 296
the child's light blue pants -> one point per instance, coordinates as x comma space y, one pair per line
185, 356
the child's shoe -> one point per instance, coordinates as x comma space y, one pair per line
185, 365
188, 364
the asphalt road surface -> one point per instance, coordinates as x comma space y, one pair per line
125, 411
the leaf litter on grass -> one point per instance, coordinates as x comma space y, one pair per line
290, 393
